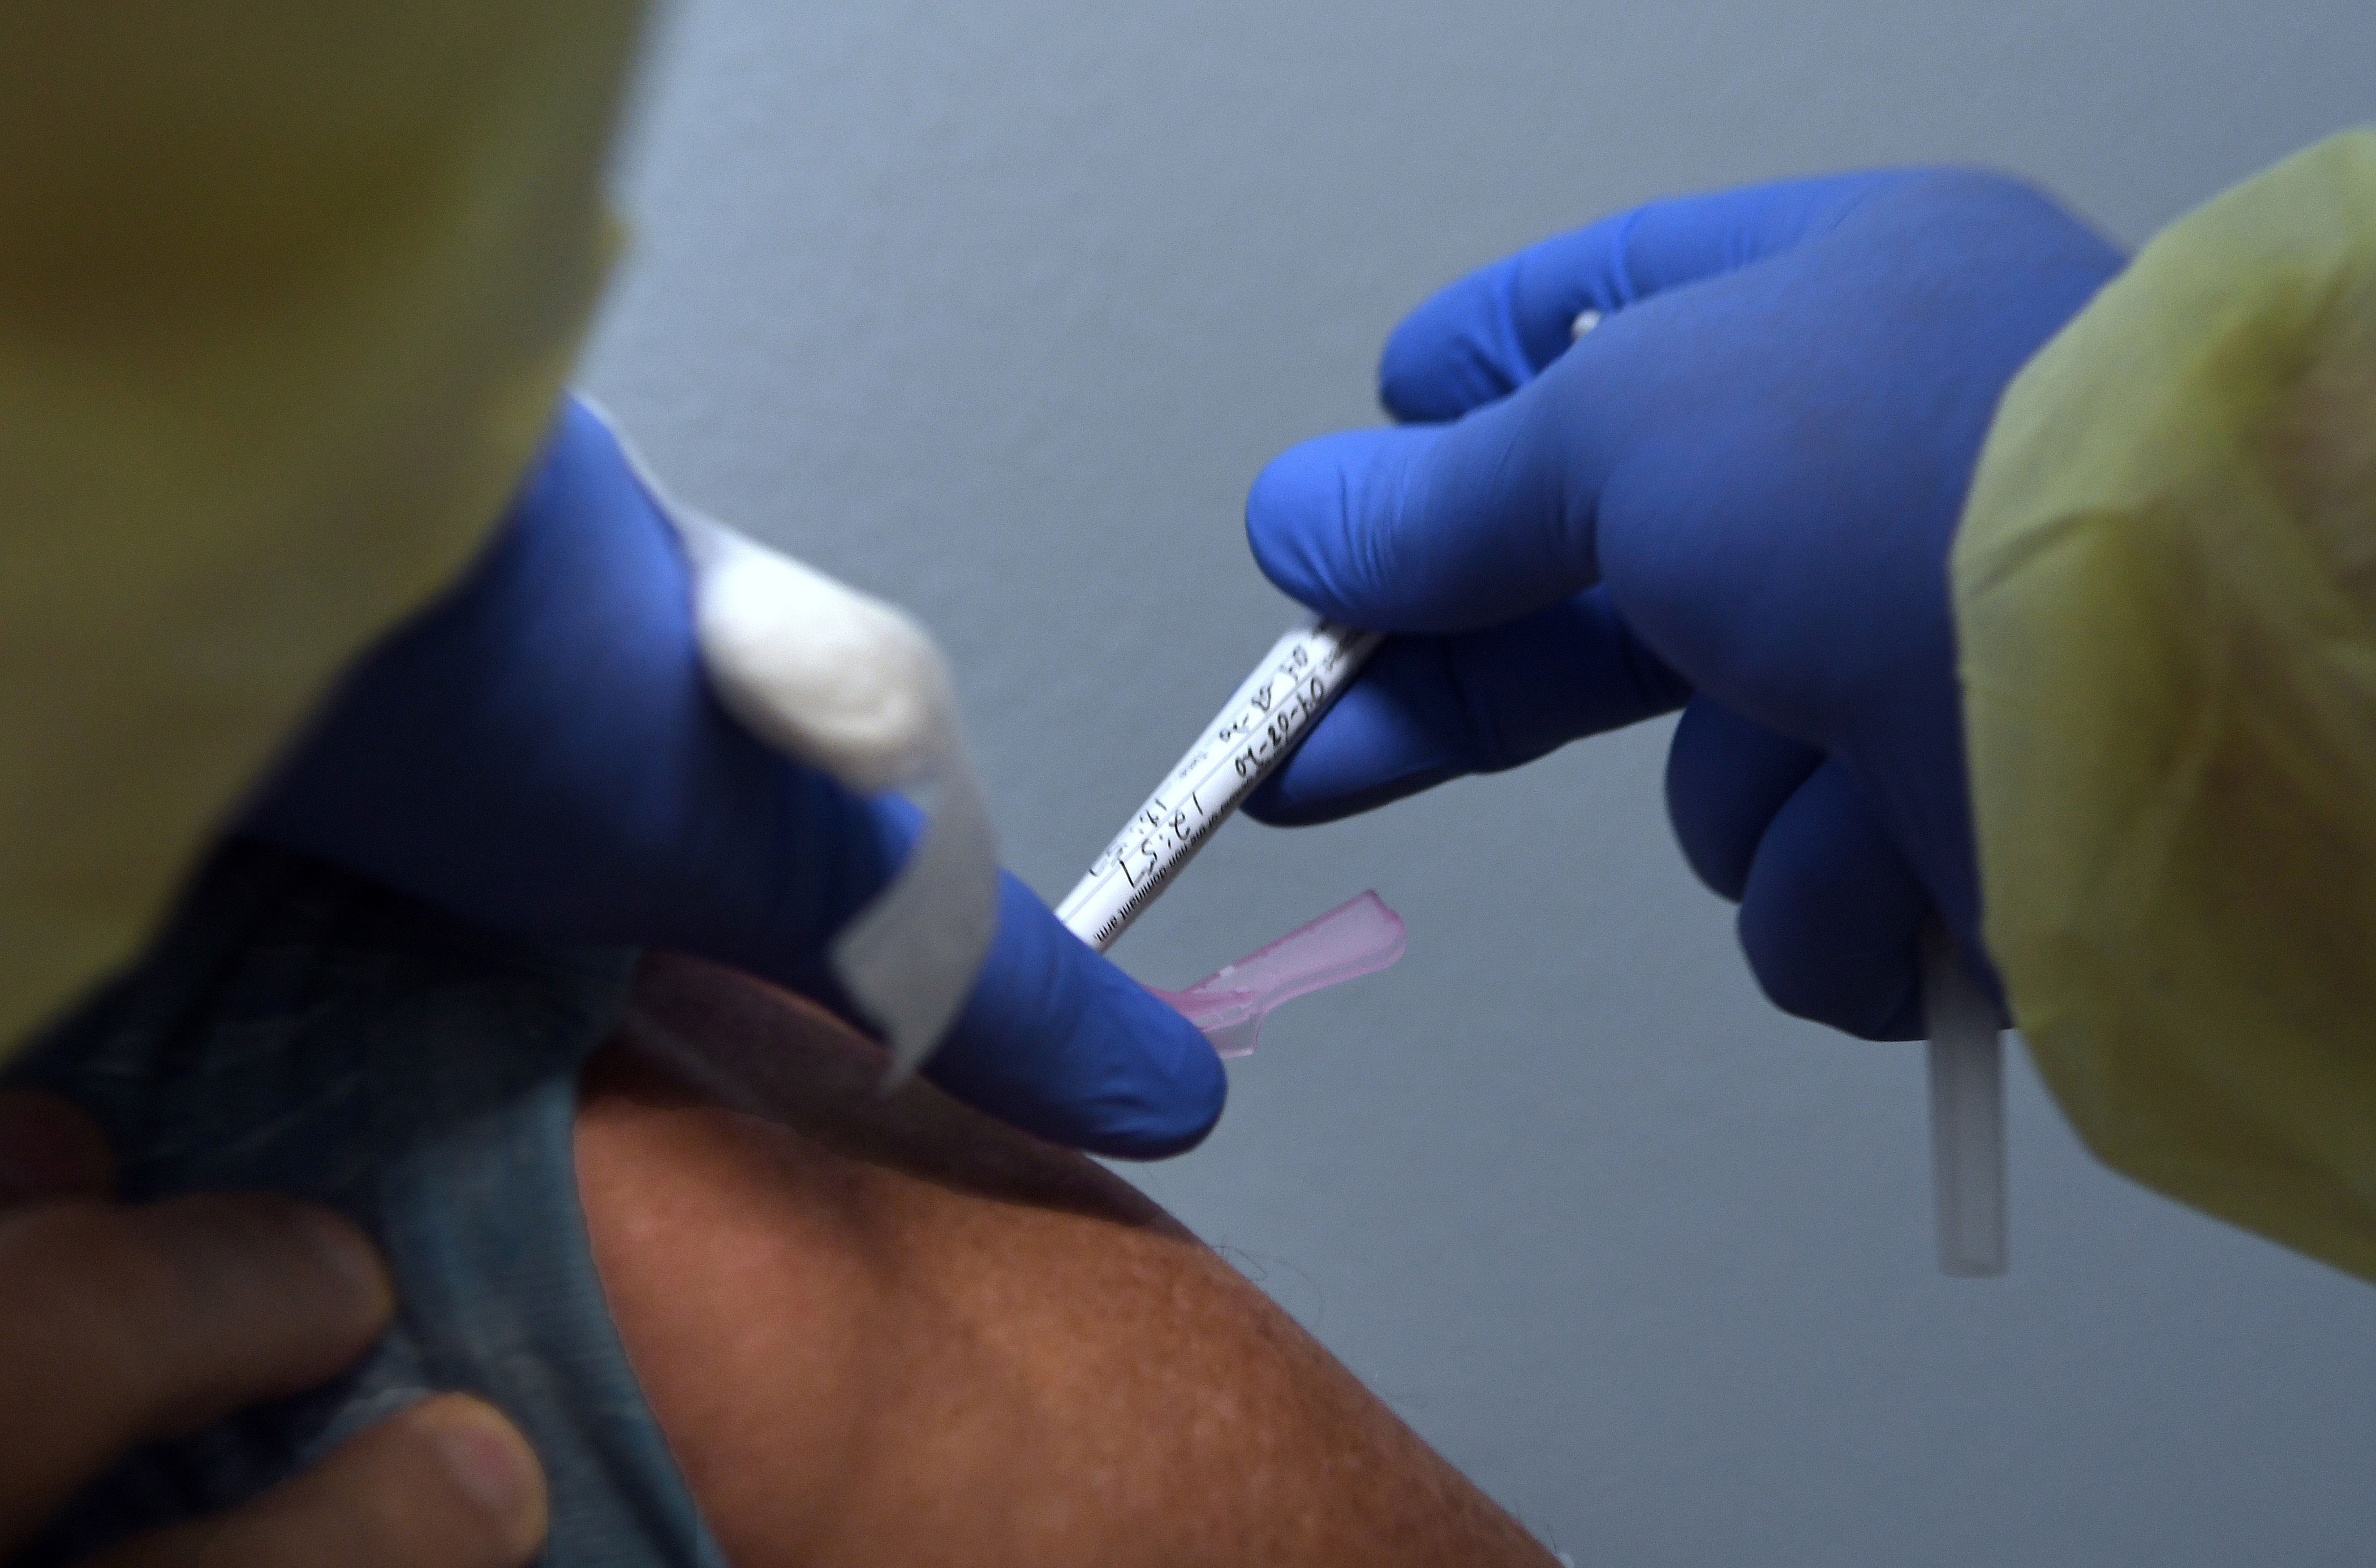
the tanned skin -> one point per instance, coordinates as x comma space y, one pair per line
894, 1331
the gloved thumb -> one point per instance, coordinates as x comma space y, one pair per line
1431, 528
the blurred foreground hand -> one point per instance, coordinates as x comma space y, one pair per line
120, 1325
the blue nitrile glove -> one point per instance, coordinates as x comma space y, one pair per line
1738, 491
539, 751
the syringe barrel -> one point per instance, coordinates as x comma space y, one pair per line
1264, 720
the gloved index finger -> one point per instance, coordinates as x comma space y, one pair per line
1482, 338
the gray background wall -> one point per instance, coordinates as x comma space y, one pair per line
995, 309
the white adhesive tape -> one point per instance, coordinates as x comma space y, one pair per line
850, 684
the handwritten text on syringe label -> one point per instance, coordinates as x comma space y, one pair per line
1254, 734
1261, 723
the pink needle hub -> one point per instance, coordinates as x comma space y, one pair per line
1356, 938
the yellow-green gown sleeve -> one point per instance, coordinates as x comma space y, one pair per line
288, 290
2166, 600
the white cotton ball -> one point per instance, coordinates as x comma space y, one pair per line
836, 677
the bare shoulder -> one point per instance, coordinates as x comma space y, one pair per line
890, 1329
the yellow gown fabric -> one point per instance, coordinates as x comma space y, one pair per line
288, 291
2166, 596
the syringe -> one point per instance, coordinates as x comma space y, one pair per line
1304, 675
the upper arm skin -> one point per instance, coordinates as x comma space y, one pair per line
896, 1331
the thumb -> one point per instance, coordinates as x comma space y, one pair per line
1432, 529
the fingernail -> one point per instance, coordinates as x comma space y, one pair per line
487, 1461
48, 1149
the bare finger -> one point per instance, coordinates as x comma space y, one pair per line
120, 1325
446, 1484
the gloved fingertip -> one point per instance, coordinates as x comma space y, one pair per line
1726, 780
1172, 1096
1332, 789
1456, 352
1314, 516
1272, 804
1060, 1043
1871, 991
1831, 917
1148, 1086
1482, 338
1293, 511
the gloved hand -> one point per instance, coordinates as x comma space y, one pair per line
540, 751
1737, 491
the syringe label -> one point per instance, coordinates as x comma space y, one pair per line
1156, 830
1261, 723
1267, 712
